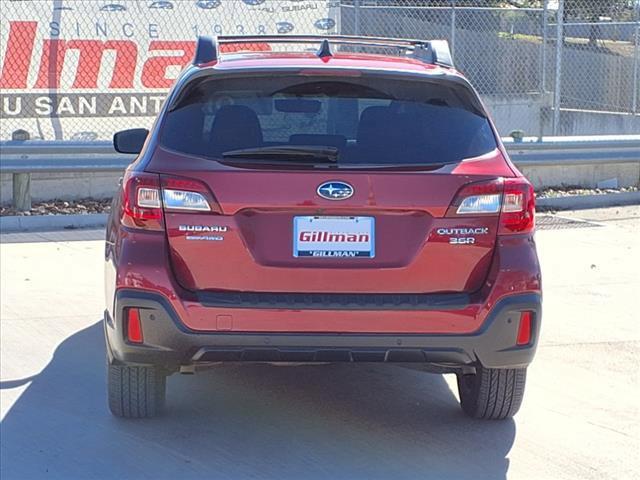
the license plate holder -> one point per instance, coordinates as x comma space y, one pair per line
333, 237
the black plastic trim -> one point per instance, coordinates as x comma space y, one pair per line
169, 343
335, 301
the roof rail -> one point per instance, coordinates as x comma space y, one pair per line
433, 51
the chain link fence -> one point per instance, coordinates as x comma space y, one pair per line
84, 69
600, 59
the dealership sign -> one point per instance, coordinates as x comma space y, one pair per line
93, 59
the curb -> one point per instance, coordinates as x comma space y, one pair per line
32, 223
582, 202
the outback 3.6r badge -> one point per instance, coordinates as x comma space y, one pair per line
462, 235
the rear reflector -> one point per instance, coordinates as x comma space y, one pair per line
524, 329
134, 326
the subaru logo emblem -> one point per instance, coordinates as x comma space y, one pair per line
284, 27
208, 4
335, 190
325, 23
161, 5
112, 7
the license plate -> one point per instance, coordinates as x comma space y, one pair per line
334, 237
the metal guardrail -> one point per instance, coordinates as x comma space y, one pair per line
37, 156
592, 150
22, 158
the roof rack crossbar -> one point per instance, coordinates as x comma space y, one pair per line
344, 39
434, 51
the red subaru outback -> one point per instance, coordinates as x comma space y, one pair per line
321, 206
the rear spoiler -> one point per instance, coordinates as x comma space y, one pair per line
433, 51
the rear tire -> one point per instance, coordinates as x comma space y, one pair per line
492, 393
136, 392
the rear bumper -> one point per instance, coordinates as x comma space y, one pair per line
169, 343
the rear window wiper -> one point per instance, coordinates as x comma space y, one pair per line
311, 153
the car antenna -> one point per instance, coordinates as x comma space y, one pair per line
324, 50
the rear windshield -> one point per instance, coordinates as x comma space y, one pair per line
364, 120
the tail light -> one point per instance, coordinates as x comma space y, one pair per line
512, 199
518, 207
187, 195
477, 199
141, 204
146, 194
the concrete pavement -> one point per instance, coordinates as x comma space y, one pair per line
580, 418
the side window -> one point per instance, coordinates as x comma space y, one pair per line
184, 129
